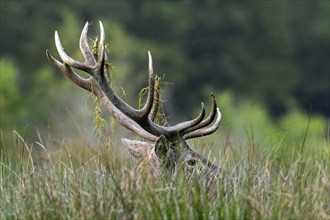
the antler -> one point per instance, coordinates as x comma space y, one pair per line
140, 121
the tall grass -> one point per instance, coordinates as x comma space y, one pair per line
36, 183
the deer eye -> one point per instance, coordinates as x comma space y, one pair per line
191, 162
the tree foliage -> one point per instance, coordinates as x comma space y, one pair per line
274, 52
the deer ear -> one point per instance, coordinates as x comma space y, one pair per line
161, 147
138, 149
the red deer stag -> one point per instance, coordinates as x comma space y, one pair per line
166, 149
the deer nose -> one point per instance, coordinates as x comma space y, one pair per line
215, 171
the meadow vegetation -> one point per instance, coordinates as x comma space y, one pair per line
282, 169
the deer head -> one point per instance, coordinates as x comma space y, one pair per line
165, 147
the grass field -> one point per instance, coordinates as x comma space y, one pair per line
285, 180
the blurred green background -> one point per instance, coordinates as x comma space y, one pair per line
266, 61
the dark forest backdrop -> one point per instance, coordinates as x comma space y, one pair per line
275, 53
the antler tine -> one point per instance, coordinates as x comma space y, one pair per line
155, 105
150, 66
208, 120
144, 112
101, 68
66, 58
187, 124
84, 47
67, 70
101, 55
102, 33
53, 60
106, 69
101, 61
102, 72
205, 131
